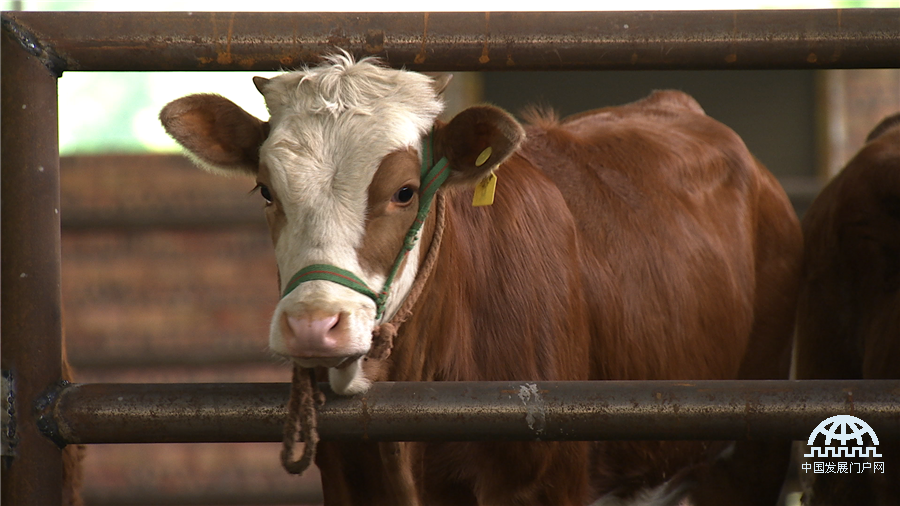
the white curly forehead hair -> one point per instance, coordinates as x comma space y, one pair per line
341, 87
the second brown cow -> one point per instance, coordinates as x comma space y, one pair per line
848, 315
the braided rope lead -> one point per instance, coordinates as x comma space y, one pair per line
301, 421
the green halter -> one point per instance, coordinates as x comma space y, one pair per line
431, 180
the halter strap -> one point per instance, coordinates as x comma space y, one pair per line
432, 177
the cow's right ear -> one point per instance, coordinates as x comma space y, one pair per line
220, 135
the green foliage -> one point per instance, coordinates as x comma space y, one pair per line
98, 111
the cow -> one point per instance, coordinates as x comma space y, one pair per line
641, 242
848, 311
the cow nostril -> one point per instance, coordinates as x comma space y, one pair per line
337, 321
313, 328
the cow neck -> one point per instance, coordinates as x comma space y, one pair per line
432, 176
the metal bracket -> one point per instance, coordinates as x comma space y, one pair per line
44, 406
30, 43
8, 438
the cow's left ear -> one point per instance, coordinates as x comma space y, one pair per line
475, 141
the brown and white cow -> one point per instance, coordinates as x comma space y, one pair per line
848, 313
635, 242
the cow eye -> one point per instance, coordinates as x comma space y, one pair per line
403, 195
264, 191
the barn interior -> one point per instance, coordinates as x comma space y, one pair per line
168, 273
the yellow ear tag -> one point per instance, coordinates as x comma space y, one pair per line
484, 191
483, 157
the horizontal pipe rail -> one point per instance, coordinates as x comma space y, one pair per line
470, 411
790, 39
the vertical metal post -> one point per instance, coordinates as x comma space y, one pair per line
31, 321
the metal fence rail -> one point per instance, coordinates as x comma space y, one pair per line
799, 39
474, 411
38, 47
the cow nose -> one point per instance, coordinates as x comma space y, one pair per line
308, 328
314, 335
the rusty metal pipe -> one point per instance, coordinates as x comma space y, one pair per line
790, 39
31, 327
470, 411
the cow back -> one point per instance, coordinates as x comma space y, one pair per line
670, 207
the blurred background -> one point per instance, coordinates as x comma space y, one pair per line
168, 273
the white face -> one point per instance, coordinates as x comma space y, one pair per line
332, 127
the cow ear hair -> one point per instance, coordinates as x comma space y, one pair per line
261, 84
220, 136
476, 140
440, 81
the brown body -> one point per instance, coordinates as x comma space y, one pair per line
848, 321
638, 242
641, 242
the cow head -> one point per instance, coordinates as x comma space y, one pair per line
338, 165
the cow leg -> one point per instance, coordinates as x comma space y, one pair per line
887, 484
545, 474
396, 458
448, 473
366, 474
498, 474
750, 473
849, 490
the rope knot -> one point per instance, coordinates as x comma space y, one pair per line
409, 242
383, 341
